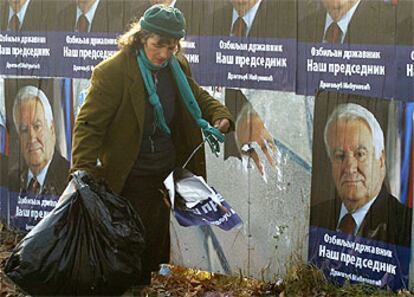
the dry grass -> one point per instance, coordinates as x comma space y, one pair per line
301, 280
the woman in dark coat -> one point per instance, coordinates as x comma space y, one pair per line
142, 118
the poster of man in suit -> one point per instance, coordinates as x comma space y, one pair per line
356, 207
340, 42
250, 20
254, 18
107, 16
39, 171
348, 22
27, 15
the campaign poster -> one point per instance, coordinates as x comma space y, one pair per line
38, 161
361, 216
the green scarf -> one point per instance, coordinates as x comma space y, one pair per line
212, 135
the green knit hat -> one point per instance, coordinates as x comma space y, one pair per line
164, 20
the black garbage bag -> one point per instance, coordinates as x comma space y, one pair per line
90, 244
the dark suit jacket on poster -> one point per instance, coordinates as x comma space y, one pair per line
405, 32
192, 11
387, 219
274, 19
110, 16
372, 23
3, 170
37, 18
55, 181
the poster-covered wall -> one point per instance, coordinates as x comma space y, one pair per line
282, 67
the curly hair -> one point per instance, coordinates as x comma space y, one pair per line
132, 39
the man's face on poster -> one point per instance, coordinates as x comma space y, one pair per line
358, 174
242, 6
85, 4
164, 2
16, 4
37, 137
338, 5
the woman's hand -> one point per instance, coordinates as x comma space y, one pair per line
222, 124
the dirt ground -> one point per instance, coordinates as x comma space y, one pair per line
302, 280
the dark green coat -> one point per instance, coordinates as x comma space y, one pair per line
109, 125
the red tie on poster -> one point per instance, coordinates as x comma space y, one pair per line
83, 24
34, 186
334, 33
239, 28
14, 23
347, 224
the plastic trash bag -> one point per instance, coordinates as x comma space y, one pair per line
90, 244
195, 203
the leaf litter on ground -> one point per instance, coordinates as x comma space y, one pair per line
301, 280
